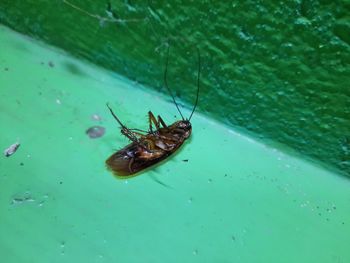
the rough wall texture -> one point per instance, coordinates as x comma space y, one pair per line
279, 69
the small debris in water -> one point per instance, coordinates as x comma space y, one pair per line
6, 69
12, 149
62, 246
58, 101
186, 160
51, 64
21, 199
16, 201
95, 132
21, 164
96, 117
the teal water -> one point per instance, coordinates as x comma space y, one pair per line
235, 200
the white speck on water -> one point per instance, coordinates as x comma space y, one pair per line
96, 117
62, 246
195, 252
58, 101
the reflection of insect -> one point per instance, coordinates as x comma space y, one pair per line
150, 147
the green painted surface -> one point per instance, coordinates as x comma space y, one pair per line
279, 69
235, 200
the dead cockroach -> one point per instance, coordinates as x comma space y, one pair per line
150, 147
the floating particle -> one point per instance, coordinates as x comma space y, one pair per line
51, 64
96, 117
186, 160
58, 101
12, 149
95, 132
22, 199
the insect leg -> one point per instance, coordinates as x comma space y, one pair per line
115, 117
125, 131
138, 131
151, 119
160, 120
129, 134
150, 144
130, 164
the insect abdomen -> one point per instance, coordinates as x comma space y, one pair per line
133, 159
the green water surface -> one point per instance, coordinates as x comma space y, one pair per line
235, 200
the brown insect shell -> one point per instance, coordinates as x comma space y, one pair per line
152, 148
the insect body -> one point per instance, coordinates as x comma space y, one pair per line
150, 147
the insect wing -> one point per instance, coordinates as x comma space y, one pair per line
133, 159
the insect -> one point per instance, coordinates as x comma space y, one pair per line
159, 142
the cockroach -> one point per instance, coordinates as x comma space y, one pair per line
158, 143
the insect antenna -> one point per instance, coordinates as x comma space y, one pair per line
198, 76
166, 84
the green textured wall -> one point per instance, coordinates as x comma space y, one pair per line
277, 68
